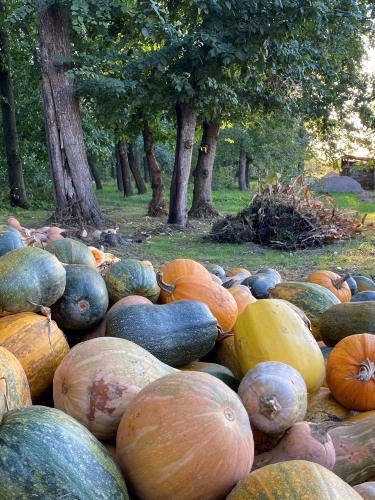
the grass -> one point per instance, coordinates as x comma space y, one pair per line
155, 240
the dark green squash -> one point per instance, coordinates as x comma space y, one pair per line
364, 283
352, 285
84, 301
175, 333
30, 277
214, 369
346, 318
363, 296
131, 277
70, 251
46, 454
10, 239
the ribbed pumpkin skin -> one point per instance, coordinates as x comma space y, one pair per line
343, 368
97, 380
348, 318
39, 350
175, 333
366, 490
70, 251
10, 239
58, 458
242, 297
84, 301
323, 407
220, 302
293, 480
30, 276
311, 298
14, 387
185, 436
131, 277
328, 280
269, 384
181, 267
364, 283
224, 353
268, 330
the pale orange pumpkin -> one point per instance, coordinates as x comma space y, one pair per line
242, 296
333, 282
14, 387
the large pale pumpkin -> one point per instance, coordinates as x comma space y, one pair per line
37, 343
269, 330
97, 380
14, 388
185, 436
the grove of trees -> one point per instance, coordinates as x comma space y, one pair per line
147, 87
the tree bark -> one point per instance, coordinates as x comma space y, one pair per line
17, 189
71, 180
202, 205
146, 169
133, 164
186, 122
242, 171
156, 207
94, 173
120, 183
125, 169
247, 173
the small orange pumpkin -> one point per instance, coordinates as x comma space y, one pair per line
350, 372
242, 296
333, 282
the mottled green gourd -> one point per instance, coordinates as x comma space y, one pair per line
10, 239
70, 251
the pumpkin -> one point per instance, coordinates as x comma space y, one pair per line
181, 267
351, 372
175, 333
220, 302
313, 299
131, 277
30, 277
355, 451
343, 320
14, 387
224, 353
10, 238
360, 415
218, 271
352, 285
84, 301
70, 251
12, 221
293, 480
58, 458
274, 395
269, 330
303, 441
323, 407
238, 270
242, 296
214, 369
366, 490
333, 282
97, 380
364, 283
364, 296
38, 344
196, 446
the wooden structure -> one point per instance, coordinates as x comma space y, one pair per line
359, 168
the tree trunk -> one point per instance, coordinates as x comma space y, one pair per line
94, 173
125, 169
202, 205
120, 182
156, 207
186, 122
71, 180
242, 171
17, 189
247, 173
146, 169
133, 164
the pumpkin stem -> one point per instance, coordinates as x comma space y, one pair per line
168, 288
338, 283
46, 311
366, 371
320, 431
269, 407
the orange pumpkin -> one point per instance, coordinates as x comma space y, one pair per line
242, 296
185, 436
239, 270
220, 302
350, 372
333, 282
181, 267
37, 343
14, 388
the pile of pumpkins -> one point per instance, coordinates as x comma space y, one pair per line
185, 383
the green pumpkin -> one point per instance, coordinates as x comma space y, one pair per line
70, 251
214, 369
84, 301
175, 333
131, 277
10, 239
46, 454
30, 277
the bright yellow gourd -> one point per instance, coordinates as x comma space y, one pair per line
269, 330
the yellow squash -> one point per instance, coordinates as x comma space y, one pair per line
269, 330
